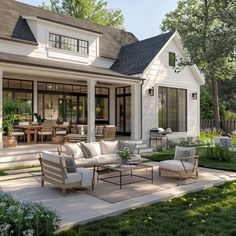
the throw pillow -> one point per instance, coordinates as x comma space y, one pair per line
91, 149
70, 164
109, 147
129, 145
74, 149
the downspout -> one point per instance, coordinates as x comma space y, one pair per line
141, 104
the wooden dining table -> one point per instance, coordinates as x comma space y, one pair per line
30, 128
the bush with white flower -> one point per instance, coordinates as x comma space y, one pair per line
26, 218
125, 153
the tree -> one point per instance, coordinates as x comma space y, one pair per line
208, 31
91, 10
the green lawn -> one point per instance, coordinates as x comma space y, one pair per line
210, 212
204, 162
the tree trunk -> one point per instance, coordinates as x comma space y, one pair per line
216, 102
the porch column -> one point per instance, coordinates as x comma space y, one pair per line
91, 111
1, 114
112, 106
35, 96
136, 111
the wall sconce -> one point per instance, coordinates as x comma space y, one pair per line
194, 95
151, 91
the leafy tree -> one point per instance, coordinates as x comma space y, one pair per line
208, 31
91, 10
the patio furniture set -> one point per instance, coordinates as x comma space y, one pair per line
79, 165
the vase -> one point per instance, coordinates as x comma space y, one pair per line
125, 161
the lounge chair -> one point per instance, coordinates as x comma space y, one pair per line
185, 162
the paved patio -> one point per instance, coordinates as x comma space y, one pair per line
79, 208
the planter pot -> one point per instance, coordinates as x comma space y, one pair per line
125, 161
9, 141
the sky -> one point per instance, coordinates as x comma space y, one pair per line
142, 18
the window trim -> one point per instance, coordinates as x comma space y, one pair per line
67, 50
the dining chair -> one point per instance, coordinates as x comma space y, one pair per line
46, 130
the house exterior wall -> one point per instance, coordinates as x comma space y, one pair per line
159, 73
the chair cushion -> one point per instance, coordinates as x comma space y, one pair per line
85, 162
91, 149
73, 178
106, 159
175, 165
70, 164
181, 152
109, 147
74, 149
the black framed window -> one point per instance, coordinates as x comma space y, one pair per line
172, 109
172, 59
68, 43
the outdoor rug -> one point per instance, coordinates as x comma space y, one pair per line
112, 193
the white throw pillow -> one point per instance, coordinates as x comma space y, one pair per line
91, 149
74, 149
109, 147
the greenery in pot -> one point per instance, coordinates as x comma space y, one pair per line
39, 118
125, 154
10, 109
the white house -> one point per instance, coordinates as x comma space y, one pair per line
73, 70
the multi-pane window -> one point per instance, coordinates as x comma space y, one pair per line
172, 59
172, 109
68, 43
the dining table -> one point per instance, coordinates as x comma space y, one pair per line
29, 129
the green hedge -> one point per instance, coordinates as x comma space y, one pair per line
25, 218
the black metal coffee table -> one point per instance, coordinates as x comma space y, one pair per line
127, 168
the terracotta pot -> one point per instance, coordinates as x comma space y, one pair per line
9, 141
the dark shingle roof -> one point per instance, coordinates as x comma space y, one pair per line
134, 58
11, 25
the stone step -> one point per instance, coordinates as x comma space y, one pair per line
146, 150
19, 176
140, 146
21, 171
9, 165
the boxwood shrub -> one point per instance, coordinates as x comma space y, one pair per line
26, 218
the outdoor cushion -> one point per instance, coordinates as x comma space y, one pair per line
83, 162
74, 149
73, 178
181, 152
135, 158
175, 165
109, 147
91, 149
129, 145
106, 159
70, 164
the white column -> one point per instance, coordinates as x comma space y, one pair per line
35, 95
136, 111
112, 106
1, 114
91, 111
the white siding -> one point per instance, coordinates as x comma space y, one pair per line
159, 73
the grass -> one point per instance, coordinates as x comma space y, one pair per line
203, 161
210, 212
2, 171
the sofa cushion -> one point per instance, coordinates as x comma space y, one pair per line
135, 158
73, 178
106, 159
91, 149
109, 147
74, 149
175, 165
70, 164
127, 144
83, 162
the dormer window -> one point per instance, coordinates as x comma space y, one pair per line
67, 43
172, 59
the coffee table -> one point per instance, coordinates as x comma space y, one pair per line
131, 169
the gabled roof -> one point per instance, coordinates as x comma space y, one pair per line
135, 57
13, 26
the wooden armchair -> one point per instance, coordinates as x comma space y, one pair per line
185, 162
109, 133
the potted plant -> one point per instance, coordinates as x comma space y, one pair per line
39, 118
10, 108
125, 154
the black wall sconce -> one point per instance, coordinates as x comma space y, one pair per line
194, 95
151, 91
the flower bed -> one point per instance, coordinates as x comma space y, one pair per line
25, 218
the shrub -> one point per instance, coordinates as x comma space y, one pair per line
25, 218
218, 153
